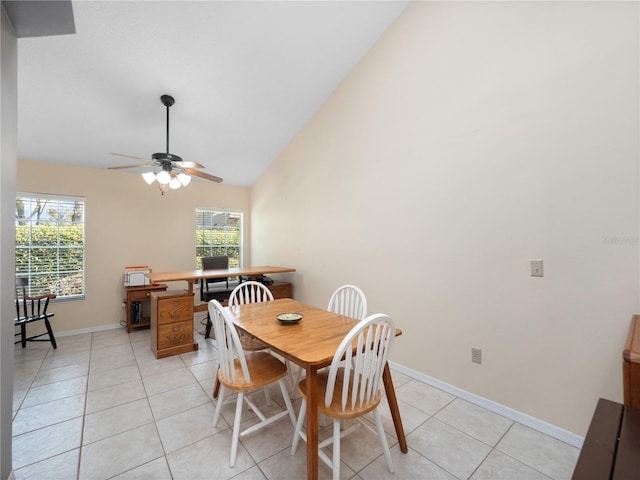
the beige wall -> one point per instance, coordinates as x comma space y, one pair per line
127, 222
473, 138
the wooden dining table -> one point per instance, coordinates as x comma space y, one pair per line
311, 344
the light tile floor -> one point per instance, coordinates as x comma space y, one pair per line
102, 406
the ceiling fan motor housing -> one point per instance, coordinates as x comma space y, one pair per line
167, 100
166, 157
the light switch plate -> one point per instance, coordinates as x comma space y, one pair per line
476, 355
536, 268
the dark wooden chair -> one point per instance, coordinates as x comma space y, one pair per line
32, 309
220, 262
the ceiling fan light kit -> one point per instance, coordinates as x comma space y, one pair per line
175, 172
149, 177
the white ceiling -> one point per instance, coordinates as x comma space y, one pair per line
246, 77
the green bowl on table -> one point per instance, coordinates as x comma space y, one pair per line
289, 318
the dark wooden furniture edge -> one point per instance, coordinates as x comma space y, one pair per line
628, 456
611, 449
599, 449
631, 365
631, 352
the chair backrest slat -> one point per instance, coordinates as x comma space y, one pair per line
365, 350
350, 301
250, 292
27, 306
228, 342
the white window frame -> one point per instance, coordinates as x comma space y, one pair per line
211, 249
62, 274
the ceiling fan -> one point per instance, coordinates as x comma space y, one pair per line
174, 171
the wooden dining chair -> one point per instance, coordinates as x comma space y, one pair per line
347, 300
248, 292
351, 389
350, 301
244, 373
32, 309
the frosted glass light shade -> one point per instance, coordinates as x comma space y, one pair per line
149, 177
163, 178
174, 183
184, 179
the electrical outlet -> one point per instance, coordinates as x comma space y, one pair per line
536, 268
476, 355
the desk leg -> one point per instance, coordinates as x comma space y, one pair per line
312, 423
393, 406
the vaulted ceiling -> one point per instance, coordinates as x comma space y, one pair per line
246, 77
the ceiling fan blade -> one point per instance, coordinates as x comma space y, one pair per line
132, 166
200, 174
183, 164
128, 156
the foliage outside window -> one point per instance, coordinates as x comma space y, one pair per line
50, 242
218, 232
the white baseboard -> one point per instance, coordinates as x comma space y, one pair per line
522, 418
101, 328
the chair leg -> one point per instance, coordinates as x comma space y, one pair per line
383, 440
298, 429
207, 330
295, 380
23, 335
236, 429
216, 415
335, 465
287, 401
267, 396
50, 332
216, 388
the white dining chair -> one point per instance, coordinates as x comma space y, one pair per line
248, 292
350, 301
244, 373
351, 389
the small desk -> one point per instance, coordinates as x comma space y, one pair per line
140, 293
193, 276
310, 344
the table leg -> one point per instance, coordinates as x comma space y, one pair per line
312, 423
393, 406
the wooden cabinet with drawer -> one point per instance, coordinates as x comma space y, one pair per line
281, 290
172, 323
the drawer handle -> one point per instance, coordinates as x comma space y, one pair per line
148, 294
177, 339
175, 329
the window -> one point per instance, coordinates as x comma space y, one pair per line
50, 244
218, 232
